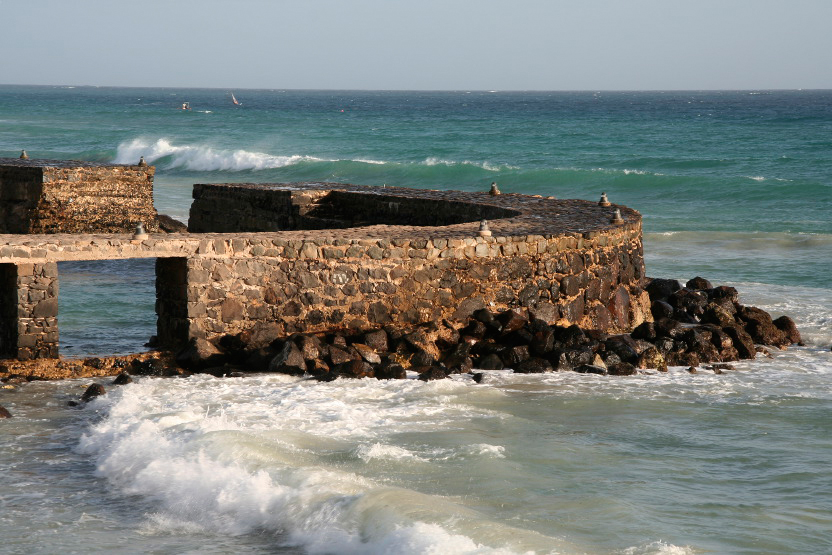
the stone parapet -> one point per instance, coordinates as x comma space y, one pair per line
58, 196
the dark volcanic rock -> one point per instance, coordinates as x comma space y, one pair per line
660, 289
92, 392
433, 373
621, 369
198, 354
645, 330
377, 340
568, 359
652, 358
289, 360
789, 329
542, 342
623, 346
534, 365
353, 369
760, 327
4, 413
390, 371
490, 362
699, 284
661, 309
515, 355
590, 369
123, 379
511, 320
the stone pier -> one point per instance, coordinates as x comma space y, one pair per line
269, 260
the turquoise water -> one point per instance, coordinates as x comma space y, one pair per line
733, 186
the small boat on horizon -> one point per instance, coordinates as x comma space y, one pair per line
186, 106
235, 101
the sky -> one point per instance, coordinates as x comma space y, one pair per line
419, 45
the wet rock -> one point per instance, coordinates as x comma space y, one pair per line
317, 367
623, 346
353, 369
682, 359
458, 360
692, 370
621, 369
433, 373
490, 362
515, 355
699, 284
486, 317
92, 392
660, 289
517, 337
475, 329
390, 371
652, 358
419, 340
4, 413
572, 337
667, 327
533, 365
686, 301
789, 329
311, 347
288, 361
478, 377
568, 359
198, 354
123, 379
421, 357
760, 327
591, 369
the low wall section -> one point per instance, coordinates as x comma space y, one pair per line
59, 196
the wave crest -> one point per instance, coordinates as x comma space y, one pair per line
202, 157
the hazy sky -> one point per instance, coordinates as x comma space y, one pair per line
424, 44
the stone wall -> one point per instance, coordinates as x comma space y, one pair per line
262, 207
54, 196
37, 311
272, 288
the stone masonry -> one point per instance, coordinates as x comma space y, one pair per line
269, 260
57, 196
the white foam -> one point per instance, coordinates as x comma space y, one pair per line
488, 166
202, 157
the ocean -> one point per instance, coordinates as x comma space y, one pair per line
734, 186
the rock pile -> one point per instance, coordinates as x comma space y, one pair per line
692, 325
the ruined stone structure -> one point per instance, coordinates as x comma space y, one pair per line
56, 196
273, 259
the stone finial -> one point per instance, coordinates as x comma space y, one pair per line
142, 163
494, 190
24, 156
604, 200
484, 231
616, 217
140, 233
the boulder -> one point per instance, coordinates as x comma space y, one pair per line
311, 347
433, 373
652, 358
123, 379
623, 346
718, 314
353, 369
199, 353
645, 330
289, 360
621, 369
591, 369
340, 354
567, 359
789, 329
660, 289
458, 359
699, 284
760, 327
515, 355
92, 392
533, 365
390, 371
661, 309
723, 293
4, 413
490, 362
376, 340
511, 320
367, 353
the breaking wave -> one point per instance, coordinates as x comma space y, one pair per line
202, 157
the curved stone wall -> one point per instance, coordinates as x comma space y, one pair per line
359, 257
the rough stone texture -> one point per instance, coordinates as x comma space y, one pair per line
345, 261
56, 196
32, 332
